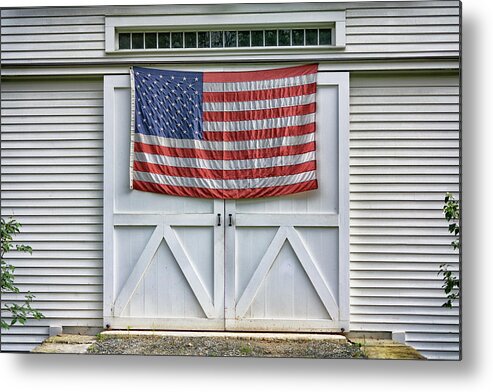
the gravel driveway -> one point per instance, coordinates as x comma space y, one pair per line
212, 346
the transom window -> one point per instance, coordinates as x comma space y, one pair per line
280, 37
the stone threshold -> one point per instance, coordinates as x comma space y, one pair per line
373, 348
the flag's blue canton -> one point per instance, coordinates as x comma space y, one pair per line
168, 103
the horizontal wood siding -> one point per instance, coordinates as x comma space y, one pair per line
417, 29
51, 181
404, 151
404, 158
374, 30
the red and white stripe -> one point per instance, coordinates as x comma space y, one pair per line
259, 139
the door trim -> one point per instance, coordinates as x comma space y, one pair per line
342, 81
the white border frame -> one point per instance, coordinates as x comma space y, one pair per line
341, 79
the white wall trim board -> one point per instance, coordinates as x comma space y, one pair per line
357, 66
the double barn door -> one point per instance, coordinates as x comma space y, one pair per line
273, 264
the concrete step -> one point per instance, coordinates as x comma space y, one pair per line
336, 338
309, 345
386, 349
65, 344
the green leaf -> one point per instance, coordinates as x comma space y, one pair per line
17, 313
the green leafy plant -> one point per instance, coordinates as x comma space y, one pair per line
18, 312
451, 283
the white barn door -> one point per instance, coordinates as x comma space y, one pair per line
278, 264
287, 258
163, 255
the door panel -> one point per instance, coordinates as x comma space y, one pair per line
287, 257
164, 263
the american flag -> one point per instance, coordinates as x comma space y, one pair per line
224, 135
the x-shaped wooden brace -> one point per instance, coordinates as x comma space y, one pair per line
321, 287
164, 232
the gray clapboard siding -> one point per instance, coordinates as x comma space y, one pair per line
374, 30
52, 184
436, 345
29, 39
403, 161
23, 338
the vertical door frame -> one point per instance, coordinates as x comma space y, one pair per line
342, 81
109, 195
